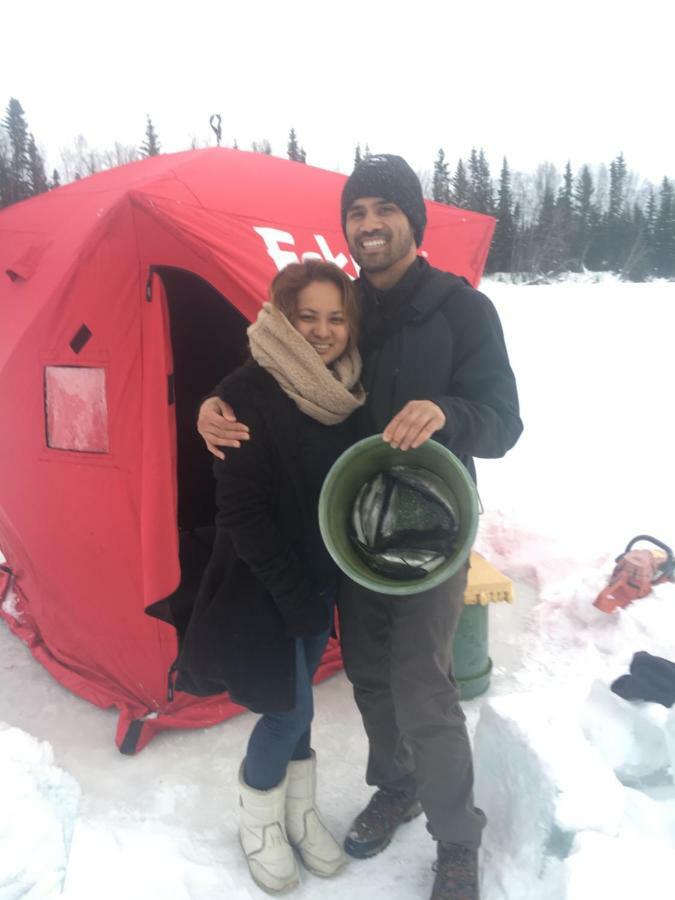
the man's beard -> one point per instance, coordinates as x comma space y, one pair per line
395, 249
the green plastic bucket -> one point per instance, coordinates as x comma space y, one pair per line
363, 461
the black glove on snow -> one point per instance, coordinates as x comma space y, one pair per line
651, 678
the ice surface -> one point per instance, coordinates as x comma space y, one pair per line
600, 866
581, 482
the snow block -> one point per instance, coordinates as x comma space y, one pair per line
669, 732
629, 735
37, 817
540, 783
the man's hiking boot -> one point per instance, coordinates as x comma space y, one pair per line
373, 829
456, 873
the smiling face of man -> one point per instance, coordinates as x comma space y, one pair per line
380, 239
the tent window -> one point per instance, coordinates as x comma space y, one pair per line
76, 410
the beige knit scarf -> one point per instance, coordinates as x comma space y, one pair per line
326, 393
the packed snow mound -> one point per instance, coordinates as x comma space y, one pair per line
551, 797
37, 817
568, 772
631, 737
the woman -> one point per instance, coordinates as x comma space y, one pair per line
265, 606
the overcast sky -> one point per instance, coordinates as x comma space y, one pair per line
534, 81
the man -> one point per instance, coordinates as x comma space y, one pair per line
435, 363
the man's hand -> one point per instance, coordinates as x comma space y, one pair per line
415, 424
218, 425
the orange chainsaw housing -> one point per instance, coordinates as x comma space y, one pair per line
634, 575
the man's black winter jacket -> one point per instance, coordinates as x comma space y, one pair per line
433, 337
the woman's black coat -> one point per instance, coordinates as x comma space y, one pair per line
255, 597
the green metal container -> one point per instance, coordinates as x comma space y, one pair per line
471, 663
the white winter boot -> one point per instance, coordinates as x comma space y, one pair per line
318, 849
262, 835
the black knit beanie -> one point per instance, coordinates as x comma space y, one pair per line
391, 178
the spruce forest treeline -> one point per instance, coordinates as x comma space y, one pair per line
551, 223
547, 223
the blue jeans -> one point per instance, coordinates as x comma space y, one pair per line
280, 737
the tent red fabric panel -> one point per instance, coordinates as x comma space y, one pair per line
88, 484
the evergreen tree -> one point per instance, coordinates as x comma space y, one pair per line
18, 178
487, 189
547, 210
616, 237
482, 196
564, 217
441, 182
546, 249
565, 199
650, 213
56, 179
583, 194
295, 151
37, 176
150, 147
518, 261
664, 232
617, 188
473, 176
637, 262
4, 174
503, 244
460, 193
585, 217
357, 155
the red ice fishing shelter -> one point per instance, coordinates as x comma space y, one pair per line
124, 297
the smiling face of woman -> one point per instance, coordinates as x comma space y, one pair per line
319, 316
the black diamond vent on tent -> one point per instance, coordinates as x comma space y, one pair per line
80, 339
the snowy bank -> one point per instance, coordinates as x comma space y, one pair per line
37, 817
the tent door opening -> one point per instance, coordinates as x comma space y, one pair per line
208, 338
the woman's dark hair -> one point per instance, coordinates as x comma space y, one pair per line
295, 277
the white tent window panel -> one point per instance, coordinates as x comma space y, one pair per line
76, 408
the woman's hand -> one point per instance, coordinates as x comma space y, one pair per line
414, 424
219, 427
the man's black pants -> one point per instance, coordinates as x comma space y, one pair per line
398, 656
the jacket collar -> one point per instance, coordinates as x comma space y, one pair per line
390, 301
417, 294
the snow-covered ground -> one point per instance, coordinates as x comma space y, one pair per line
577, 783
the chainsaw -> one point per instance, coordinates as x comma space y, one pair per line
635, 574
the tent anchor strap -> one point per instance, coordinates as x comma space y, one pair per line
7, 579
131, 738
